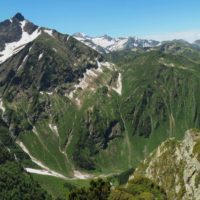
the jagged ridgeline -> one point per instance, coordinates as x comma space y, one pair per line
73, 109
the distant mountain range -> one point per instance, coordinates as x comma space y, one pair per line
107, 44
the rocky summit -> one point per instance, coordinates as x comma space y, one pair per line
175, 165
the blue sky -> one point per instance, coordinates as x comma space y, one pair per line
113, 17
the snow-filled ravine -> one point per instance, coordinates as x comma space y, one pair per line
49, 172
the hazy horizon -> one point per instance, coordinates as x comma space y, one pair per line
158, 20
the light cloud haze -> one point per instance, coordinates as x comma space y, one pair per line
189, 36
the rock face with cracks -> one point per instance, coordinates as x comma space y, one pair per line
176, 166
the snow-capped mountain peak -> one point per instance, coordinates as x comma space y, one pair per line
21, 32
106, 44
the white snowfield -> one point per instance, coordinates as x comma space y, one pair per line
103, 42
119, 44
14, 47
109, 44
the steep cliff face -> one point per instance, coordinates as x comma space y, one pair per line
175, 166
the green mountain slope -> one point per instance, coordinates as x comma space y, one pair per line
43, 90
160, 97
79, 116
87, 130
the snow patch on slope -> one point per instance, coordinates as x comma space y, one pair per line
54, 129
54, 49
39, 171
118, 87
40, 56
24, 60
90, 76
14, 47
80, 175
45, 171
2, 107
119, 44
103, 42
35, 131
68, 37
49, 93
50, 32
